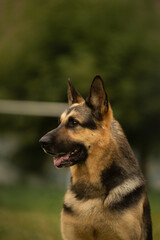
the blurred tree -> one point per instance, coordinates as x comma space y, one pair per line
42, 43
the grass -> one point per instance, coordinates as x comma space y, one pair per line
154, 198
30, 213
33, 213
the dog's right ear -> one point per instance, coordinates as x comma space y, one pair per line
73, 94
98, 100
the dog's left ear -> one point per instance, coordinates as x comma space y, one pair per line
73, 94
98, 100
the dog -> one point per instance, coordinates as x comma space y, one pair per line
106, 198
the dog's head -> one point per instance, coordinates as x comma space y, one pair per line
82, 126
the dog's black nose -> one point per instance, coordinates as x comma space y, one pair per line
45, 142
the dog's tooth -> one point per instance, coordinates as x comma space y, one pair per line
73, 152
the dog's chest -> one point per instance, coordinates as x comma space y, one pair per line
91, 209
84, 219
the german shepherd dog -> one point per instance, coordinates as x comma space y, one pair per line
106, 198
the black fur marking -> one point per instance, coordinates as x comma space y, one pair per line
123, 144
126, 149
128, 200
70, 110
95, 113
95, 234
89, 123
147, 219
78, 108
112, 177
86, 191
67, 209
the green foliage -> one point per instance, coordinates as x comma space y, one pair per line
42, 43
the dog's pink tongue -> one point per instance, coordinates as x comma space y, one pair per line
58, 160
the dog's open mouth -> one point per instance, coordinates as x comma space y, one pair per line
70, 158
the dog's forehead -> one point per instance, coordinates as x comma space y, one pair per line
63, 115
79, 110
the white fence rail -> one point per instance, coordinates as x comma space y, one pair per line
32, 108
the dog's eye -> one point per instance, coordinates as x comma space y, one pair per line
72, 122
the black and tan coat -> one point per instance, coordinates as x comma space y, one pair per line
106, 198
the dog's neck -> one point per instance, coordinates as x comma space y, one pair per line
115, 149
90, 170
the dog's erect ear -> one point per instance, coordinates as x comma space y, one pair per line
98, 100
73, 95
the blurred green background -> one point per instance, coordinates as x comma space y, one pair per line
42, 43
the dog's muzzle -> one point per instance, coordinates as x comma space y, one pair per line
64, 155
